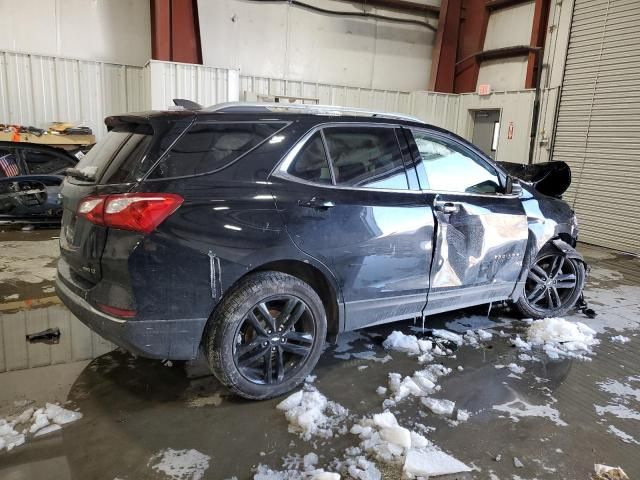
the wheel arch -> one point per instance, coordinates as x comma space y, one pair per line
324, 287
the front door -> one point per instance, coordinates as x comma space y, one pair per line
481, 233
345, 198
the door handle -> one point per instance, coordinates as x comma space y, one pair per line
447, 207
317, 203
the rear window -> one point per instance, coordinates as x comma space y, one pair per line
208, 147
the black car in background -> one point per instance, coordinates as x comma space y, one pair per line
30, 179
256, 232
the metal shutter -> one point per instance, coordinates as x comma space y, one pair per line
598, 124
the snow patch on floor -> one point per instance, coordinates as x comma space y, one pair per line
625, 437
618, 410
518, 408
180, 464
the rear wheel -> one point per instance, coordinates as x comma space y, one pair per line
266, 335
554, 284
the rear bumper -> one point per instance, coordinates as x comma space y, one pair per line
163, 339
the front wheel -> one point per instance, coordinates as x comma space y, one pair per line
553, 286
266, 335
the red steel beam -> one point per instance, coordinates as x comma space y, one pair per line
160, 29
175, 31
400, 5
538, 37
498, 4
473, 30
443, 62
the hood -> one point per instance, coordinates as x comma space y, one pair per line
551, 178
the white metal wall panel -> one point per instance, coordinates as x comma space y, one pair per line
77, 342
598, 125
384, 100
438, 109
205, 85
37, 90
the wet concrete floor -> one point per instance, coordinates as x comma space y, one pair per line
134, 408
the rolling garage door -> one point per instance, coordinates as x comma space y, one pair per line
598, 125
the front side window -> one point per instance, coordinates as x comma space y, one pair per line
366, 157
42, 163
447, 168
311, 162
208, 147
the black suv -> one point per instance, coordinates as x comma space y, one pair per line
256, 232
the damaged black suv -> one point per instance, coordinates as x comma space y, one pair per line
254, 232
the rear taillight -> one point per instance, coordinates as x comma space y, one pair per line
139, 212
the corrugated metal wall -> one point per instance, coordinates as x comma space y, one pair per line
36, 90
202, 84
385, 100
77, 342
598, 125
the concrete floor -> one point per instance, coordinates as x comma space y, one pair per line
134, 408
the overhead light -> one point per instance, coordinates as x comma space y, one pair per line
276, 139
232, 227
221, 208
263, 197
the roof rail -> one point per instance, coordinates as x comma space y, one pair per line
330, 110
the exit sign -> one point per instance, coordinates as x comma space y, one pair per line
484, 89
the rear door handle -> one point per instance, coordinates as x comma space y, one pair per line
447, 207
317, 203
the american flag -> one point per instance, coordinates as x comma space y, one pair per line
9, 165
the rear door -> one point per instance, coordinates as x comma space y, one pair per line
481, 233
346, 200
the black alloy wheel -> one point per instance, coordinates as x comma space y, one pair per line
274, 339
554, 284
266, 335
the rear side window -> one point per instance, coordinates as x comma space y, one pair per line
42, 163
208, 147
311, 163
366, 157
122, 156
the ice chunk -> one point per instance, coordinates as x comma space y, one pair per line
40, 420
447, 335
418, 441
310, 414
439, 406
402, 343
325, 476
462, 416
48, 429
385, 420
381, 390
430, 462
397, 435
517, 369
560, 338
60, 415
484, 335
620, 339
310, 459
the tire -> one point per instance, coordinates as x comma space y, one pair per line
552, 271
266, 335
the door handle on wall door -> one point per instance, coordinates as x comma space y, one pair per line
447, 207
317, 203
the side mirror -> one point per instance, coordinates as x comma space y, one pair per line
513, 186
